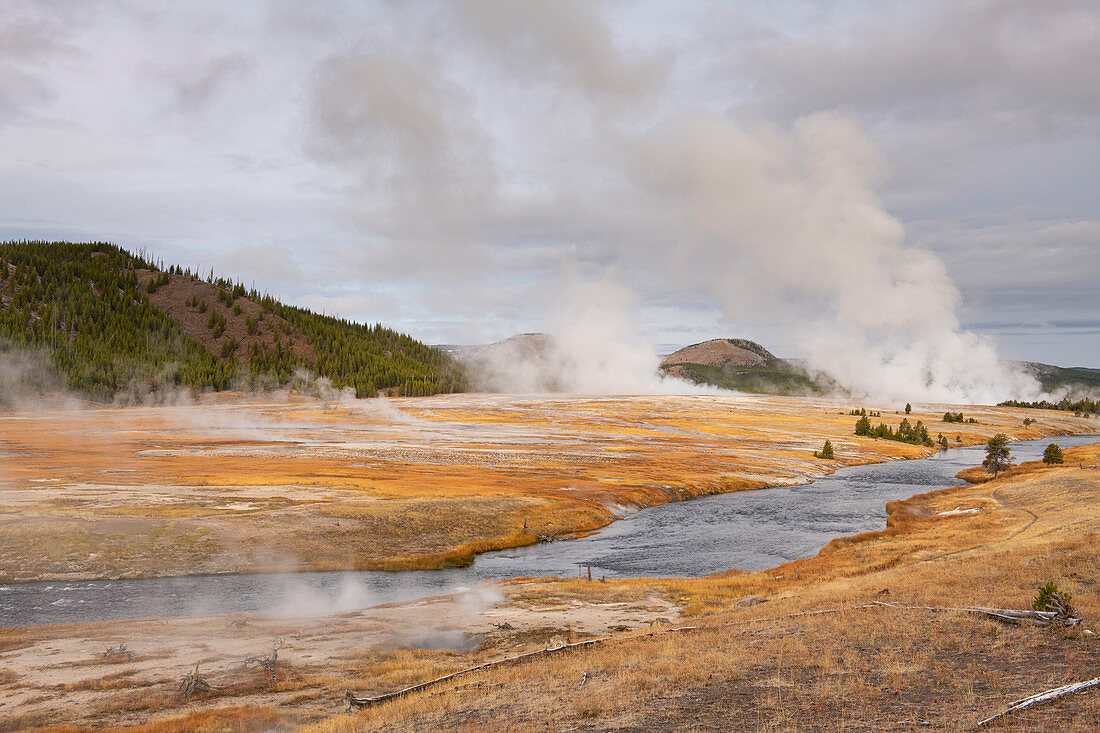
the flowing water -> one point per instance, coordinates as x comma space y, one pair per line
749, 530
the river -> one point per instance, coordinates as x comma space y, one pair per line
748, 530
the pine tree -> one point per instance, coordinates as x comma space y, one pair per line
997, 455
1053, 454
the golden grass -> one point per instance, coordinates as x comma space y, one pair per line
235, 719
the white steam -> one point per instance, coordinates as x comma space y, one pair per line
790, 224
775, 226
594, 347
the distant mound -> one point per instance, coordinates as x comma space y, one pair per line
743, 366
722, 352
523, 346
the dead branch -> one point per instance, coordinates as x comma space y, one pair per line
115, 653
241, 622
267, 663
479, 685
193, 682
1042, 697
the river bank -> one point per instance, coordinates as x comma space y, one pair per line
420, 483
748, 530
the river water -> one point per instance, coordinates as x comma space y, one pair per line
748, 530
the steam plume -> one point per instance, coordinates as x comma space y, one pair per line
790, 225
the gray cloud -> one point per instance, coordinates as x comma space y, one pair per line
1031, 68
454, 168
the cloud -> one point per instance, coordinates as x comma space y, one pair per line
273, 266
457, 169
204, 81
1032, 66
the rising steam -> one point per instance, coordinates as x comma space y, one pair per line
781, 226
594, 347
790, 224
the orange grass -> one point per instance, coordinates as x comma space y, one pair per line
235, 719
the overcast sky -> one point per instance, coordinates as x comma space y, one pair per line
456, 169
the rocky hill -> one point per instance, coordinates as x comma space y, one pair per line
722, 352
744, 366
109, 323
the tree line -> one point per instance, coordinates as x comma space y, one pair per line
1082, 406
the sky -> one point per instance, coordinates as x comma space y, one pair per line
911, 182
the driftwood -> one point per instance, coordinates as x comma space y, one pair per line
353, 701
116, 653
479, 685
1042, 697
1058, 617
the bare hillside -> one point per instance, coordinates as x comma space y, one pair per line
720, 353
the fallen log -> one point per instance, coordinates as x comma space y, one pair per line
1042, 697
1007, 615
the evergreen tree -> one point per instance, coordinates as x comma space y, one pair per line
1053, 454
997, 455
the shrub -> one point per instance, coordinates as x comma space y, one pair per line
1053, 454
1049, 593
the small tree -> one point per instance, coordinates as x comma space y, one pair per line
826, 451
1052, 455
1051, 596
997, 455
908, 408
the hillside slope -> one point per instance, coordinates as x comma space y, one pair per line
744, 366
111, 323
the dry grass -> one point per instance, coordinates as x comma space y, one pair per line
235, 719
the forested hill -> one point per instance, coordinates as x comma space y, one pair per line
112, 322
